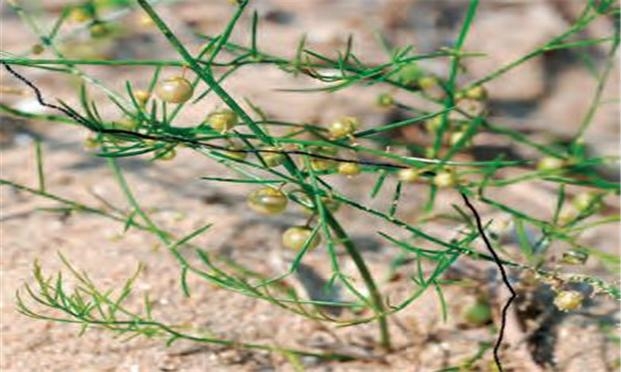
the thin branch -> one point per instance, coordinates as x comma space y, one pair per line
505, 279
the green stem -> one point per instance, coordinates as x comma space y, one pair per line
91, 62
583, 21
47, 40
118, 173
452, 80
599, 90
376, 298
29, 115
203, 73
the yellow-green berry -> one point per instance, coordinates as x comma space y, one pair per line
343, 127
235, 154
37, 49
144, 20
427, 82
125, 123
272, 156
433, 124
167, 155
299, 236
584, 201
223, 120
477, 92
408, 175
408, 74
478, 314
141, 97
329, 203
568, 300
267, 200
79, 15
176, 89
550, 163
456, 137
319, 165
91, 143
446, 178
385, 100
471, 106
349, 169
567, 215
99, 29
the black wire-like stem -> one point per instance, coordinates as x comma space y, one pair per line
505, 279
40, 99
172, 138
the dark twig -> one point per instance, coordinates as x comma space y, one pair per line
172, 138
503, 273
40, 99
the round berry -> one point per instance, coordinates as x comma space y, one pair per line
99, 29
343, 127
234, 152
584, 201
430, 86
319, 165
174, 90
550, 163
272, 156
472, 107
299, 236
432, 125
37, 49
223, 120
409, 73
478, 314
267, 200
144, 20
446, 178
430, 152
91, 143
456, 137
141, 96
329, 203
408, 175
79, 15
567, 215
385, 100
568, 300
167, 155
477, 92
349, 169
125, 123
427, 82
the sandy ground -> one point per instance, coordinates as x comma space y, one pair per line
538, 95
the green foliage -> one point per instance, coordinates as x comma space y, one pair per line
307, 155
